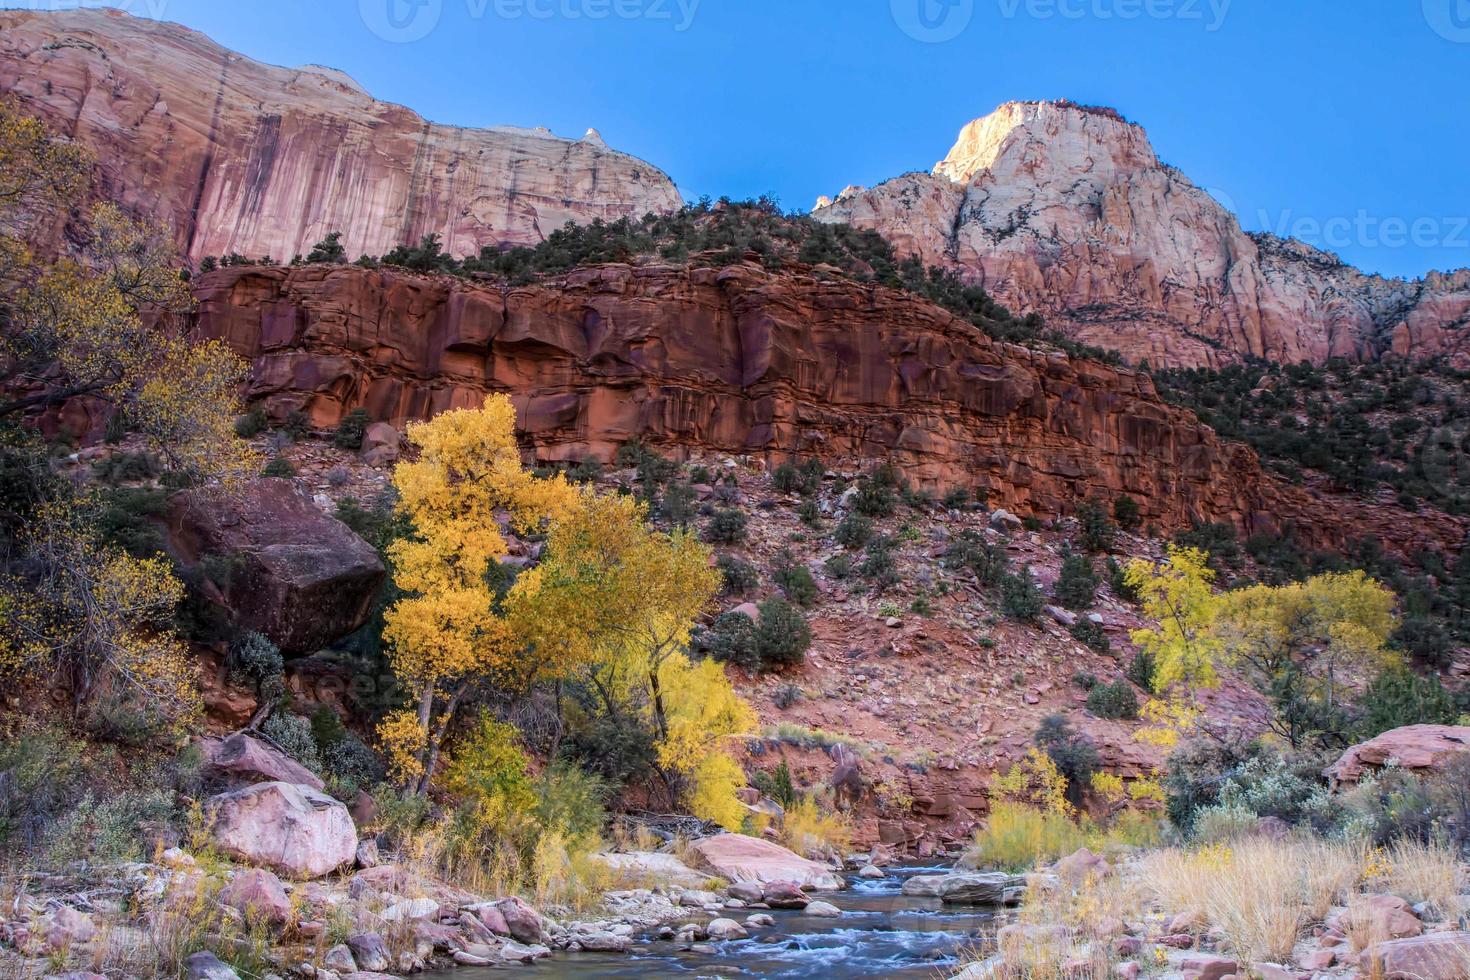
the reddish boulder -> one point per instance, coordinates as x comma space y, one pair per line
1380, 917
1437, 956
240, 759
258, 896
298, 576
1203, 966
1419, 748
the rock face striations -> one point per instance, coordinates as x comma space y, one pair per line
746, 361
1066, 210
242, 157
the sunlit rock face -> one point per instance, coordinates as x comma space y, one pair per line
1067, 211
248, 158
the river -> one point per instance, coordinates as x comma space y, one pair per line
881, 934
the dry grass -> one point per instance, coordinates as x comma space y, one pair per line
1259, 893
814, 832
1423, 873
1067, 931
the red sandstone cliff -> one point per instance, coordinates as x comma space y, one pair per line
1068, 211
772, 365
238, 156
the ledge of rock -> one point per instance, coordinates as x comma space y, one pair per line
1414, 747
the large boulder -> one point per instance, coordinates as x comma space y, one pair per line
1421, 748
1436, 956
240, 760
1380, 917
736, 857
293, 830
978, 888
293, 573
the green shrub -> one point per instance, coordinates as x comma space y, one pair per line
352, 430
1077, 585
740, 576
853, 531
44, 776
1118, 582
957, 499
727, 526
297, 425
109, 830
1399, 697
1090, 635
1195, 773
1020, 597
839, 567
1126, 513
589, 470
1097, 529
251, 424
1141, 670
878, 564
877, 492
987, 561
1074, 756
1114, 701
776, 785
676, 508
794, 579
733, 638
292, 734
810, 513
280, 467
805, 479
783, 636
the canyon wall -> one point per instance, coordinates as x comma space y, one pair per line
745, 361
237, 156
1067, 211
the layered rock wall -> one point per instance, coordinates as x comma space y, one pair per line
744, 361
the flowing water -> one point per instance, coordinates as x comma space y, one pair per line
881, 934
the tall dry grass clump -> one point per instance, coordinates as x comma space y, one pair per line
1065, 930
1261, 894
1421, 872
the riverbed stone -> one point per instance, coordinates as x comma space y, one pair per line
736, 857
965, 888
259, 896
922, 886
207, 966
823, 910
726, 929
370, 952
293, 830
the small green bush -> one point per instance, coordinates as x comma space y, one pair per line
878, 564
292, 734
1097, 529
1126, 513
279, 467
794, 579
352, 430
727, 526
784, 636
877, 492
1020, 597
251, 424
839, 567
1077, 585
740, 575
957, 499
1115, 701
1090, 635
1141, 670
853, 531
988, 562
733, 638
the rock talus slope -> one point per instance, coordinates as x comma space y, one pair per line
745, 361
243, 157
1067, 211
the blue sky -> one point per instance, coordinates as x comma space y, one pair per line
1341, 121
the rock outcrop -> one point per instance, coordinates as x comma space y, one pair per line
1066, 210
1418, 748
239, 760
237, 156
282, 567
771, 365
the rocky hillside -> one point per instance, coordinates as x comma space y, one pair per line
769, 364
241, 157
1067, 211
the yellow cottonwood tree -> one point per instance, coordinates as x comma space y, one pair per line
622, 598
1177, 595
449, 632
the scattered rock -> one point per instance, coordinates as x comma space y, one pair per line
370, 952
1380, 917
872, 872
760, 920
207, 966
1081, 864
922, 886
258, 896
339, 958
1203, 966
522, 920
977, 888
726, 929
786, 895
367, 853
823, 910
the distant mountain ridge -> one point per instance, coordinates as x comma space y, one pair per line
1066, 210
242, 157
